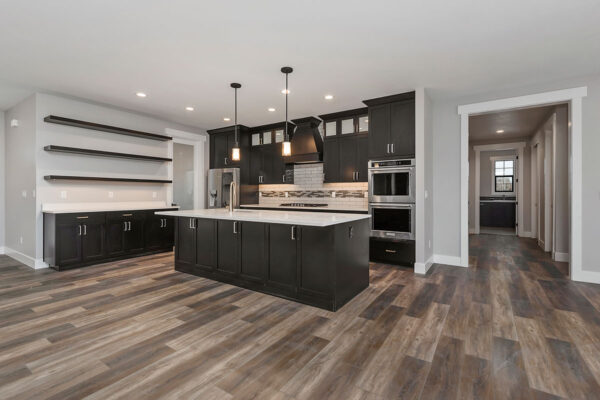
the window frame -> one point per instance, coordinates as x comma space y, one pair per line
493, 161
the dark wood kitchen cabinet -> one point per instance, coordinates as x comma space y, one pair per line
497, 214
392, 126
74, 240
291, 261
222, 141
267, 165
345, 158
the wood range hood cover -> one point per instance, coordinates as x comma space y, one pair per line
307, 143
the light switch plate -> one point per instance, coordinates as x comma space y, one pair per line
63, 194
154, 194
333, 194
111, 195
24, 193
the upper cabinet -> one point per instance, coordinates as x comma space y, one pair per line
345, 146
267, 165
222, 141
391, 126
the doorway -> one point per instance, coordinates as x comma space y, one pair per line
183, 176
573, 98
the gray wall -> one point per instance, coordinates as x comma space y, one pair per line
429, 246
446, 178
20, 179
2, 176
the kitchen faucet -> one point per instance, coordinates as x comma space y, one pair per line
232, 197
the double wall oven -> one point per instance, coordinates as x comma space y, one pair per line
392, 199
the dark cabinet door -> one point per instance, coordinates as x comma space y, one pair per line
153, 232
134, 237
348, 159
68, 240
379, 131
168, 233
185, 250
253, 246
314, 244
92, 239
283, 259
267, 172
227, 244
362, 158
115, 232
331, 160
256, 164
277, 173
206, 244
220, 151
402, 128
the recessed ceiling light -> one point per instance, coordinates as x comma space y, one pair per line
500, 131
226, 119
283, 91
328, 97
140, 94
271, 109
189, 108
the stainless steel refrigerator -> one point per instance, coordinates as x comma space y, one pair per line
219, 182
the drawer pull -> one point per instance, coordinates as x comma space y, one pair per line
83, 217
127, 215
390, 251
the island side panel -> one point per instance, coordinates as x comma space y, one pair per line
352, 260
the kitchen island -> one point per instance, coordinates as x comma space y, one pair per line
321, 259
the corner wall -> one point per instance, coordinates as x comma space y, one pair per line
2, 179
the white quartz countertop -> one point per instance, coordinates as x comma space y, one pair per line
70, 210
328, 208
271, 216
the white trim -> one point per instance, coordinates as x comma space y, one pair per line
448, 260
422, 268
574, 97
528, 234
24, 258
561, 257
586, 276
2, 250
420, 181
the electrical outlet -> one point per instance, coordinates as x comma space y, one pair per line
154, 195
287, 194
20, 239
366, 194
426, 194
63, 194
111, 195
333, 194
24, 194
429, 243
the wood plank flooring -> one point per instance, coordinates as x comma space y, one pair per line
509, 327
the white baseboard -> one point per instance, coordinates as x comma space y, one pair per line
25, 259
527, 234
422, 268
2, 250
561, 257
586, 276
448, 260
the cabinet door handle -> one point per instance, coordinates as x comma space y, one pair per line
84, 230
357, 175
390, 251
351, 232
79, 229
165, 225
124, 226
392, 148
293, 232
235, 227
283, 178
388, 149
128, 225
162, 223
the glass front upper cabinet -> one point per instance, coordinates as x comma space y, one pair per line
267, 137
256, 139
279, 136
331, 128
363, 123
348, 126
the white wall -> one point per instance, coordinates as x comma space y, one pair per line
2, 177
20, 181
446, 178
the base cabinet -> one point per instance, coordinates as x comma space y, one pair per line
74, 240
321, 266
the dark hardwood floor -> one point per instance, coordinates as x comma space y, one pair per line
509, 327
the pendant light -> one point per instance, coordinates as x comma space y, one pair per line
235, 151
287, 145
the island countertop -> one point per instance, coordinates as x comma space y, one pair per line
268, 216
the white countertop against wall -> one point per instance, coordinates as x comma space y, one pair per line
66, 208
268, 216
336, 208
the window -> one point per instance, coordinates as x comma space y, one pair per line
503, 176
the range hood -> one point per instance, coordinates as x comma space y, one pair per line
307, 143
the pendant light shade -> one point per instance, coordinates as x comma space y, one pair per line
235, 151
287, 145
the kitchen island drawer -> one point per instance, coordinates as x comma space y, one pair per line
400, 252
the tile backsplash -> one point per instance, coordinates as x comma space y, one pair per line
308, 187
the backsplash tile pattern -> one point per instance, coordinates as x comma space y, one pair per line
308, 187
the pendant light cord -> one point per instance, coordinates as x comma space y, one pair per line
236, 124
287, 135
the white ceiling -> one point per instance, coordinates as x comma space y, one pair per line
187, 52
514, 123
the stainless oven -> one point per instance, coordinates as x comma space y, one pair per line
392, 181
392, 221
